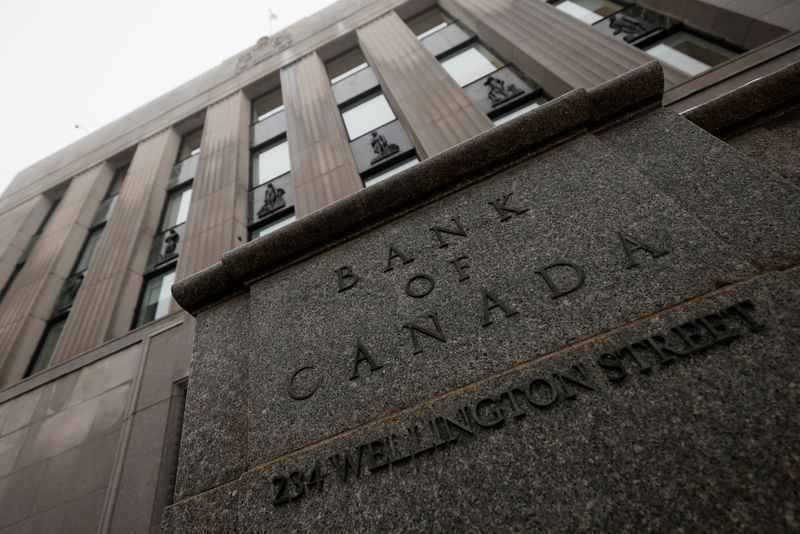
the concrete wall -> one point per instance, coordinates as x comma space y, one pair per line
86, 446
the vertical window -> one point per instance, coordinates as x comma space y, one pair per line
268, 105
270, 162
271, 226
346, 65
367, 115
47, 346
177, 208
662, 37
470, 64
154, 301
156, 297
73, 283
190, 145
428, 22
377, 139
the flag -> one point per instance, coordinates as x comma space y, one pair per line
272, 16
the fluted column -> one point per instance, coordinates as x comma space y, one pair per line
432, 107
17, 227
29, 303
107, 298
217, 219
558, 51
323, 168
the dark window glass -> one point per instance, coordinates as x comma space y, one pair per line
116, 182
177, 208
428, 22
345, 65
267, 105
48, 345
190, 144
88, 250
155, 297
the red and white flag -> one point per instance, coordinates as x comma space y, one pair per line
272, 16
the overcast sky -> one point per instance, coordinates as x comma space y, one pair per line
89, 62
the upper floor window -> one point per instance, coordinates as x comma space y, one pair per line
346, 65
366, 115
190, 144
471, 63
589, 11
428, 22
270, 162
268, 105
156, 297
689, 53
177, 208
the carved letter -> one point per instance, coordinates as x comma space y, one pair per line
419, 293
549, 400
638, 245
345, 278
343, 465
612, 366
741, 309
503, 211
490, 417
556, 291
292, 392
439, 230
490, 302
362, 355
461, 267
395, 253
582, 380
435, 334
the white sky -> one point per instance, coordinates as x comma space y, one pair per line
89, 62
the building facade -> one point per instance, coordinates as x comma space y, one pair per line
95, 353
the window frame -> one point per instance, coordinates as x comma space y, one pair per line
161, 271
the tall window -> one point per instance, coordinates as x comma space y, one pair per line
662, 37
154, 301
73, 283
271, 187
497, 88
378, 140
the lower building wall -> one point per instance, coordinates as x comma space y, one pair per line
91, 445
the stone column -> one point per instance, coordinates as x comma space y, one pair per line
556, 50
107, 299
29, 303
18, 227
432, 107
218, 215
323, 168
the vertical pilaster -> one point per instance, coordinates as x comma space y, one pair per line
433, 108
558, 51
18, 227
323, 168
29, 303
217, 219
107, 299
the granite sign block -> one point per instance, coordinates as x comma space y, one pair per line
592, 328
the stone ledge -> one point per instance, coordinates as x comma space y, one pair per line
485, 154
740, 107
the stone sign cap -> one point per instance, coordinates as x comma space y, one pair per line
485, 154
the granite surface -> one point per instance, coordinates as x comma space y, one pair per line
702, 441
598, 337
578, 198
